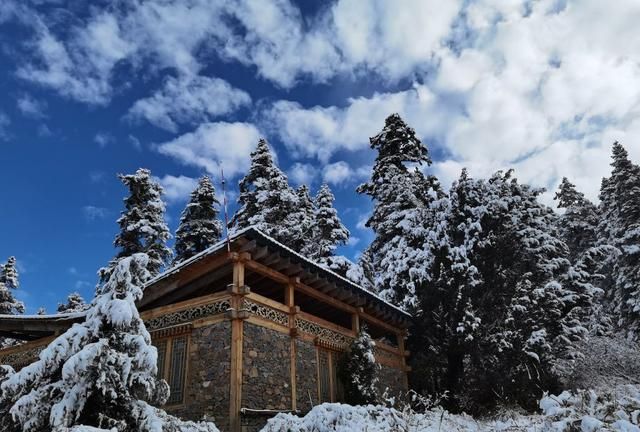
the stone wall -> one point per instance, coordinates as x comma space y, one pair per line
266, 372
393, 380
306, 375
207, 383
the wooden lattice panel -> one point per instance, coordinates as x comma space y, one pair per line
188, 315
332, 337
266, 312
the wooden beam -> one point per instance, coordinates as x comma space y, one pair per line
196, 285
24, 336
272, 259
163, 287
267, 271
260, 253
282, 264
318, 295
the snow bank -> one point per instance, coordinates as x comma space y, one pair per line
611, 410
346, 418
581, 411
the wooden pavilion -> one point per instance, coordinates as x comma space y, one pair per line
246, 329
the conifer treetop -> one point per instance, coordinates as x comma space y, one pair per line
8, 282
199, 225
142, 225
397, 143
266, 200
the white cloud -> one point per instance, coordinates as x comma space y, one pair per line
341, 173
349, 38
92, 213
189, 99
103, 139
4, 123
215, 144
31, 107
353, 241
177, 189
322, 131
80, 69
541, 88
302, 173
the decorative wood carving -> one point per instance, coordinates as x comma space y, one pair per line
266, 312
188, 315
328, 336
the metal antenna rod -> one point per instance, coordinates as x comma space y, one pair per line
226, 213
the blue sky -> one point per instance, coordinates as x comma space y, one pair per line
179, 86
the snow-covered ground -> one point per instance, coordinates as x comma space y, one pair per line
581, 411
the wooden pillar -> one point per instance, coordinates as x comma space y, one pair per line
237, 330
403, 358
290, 302
355, 320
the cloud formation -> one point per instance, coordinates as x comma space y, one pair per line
213, 146
543, 87
177, 188
189, 100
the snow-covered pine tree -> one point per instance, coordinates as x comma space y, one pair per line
329, 231
100, 373
199, 224
447, 303
41, 311
142, 225
75, 303
301, 221
9, 305
401, 217
578, 225
620, 227
359, 371
504, 306
266, 200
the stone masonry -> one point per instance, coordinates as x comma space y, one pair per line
207, 382
266, 382
306, 376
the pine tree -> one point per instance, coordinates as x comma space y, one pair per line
578, 225
99, 373
329, 231
266, 200
142, 225
401, 216
620, 227
199, 225
9, 305
41, 311
301, 220
505, 307
8, 282
75, 303
359, 371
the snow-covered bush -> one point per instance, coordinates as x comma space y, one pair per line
359, 371
606, 362
588, 410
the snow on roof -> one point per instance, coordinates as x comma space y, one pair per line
60, 316
213, 249
216, 247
